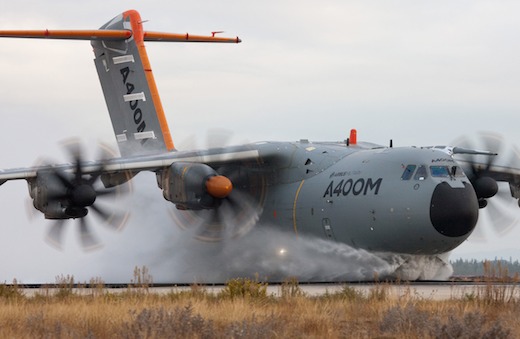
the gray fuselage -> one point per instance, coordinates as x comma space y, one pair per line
403, 200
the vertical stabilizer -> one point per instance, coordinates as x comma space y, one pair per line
130, 91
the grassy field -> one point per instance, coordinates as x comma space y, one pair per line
244, 310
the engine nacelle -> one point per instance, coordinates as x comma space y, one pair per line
184, 184
43, 186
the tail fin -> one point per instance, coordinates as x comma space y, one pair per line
126, 78
130, 92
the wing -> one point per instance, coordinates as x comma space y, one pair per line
137, 164
190, 180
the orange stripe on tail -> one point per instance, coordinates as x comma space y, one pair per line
138, 35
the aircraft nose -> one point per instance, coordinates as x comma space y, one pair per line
454, 211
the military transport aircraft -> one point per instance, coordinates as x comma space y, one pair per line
411, 200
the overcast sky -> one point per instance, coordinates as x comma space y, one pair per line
417, 72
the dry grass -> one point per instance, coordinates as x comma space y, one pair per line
244, 310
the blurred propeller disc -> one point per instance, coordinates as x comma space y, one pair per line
235, 214
235, 217
81, 193
502, 212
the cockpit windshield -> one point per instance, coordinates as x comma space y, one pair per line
439, 171
421, 172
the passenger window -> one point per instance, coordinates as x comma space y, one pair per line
408, 172
421, 173
439, 171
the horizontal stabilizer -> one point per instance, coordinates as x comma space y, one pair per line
92, 34
111, 35
175, 37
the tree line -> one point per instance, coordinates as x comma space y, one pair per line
493, 268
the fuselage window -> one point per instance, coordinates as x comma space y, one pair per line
439, 171
421, 173
408, 172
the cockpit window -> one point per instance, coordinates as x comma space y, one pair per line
408, 172
456, 171
421, 173
439, 171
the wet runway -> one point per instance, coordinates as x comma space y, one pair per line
415, 290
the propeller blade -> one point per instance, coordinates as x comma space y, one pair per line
54, 234
503, 212
73, 148
209, 227
495, 145
227, 223
63, 178
88, 241
75, 151
478, 234
95, 175
104, 153
249, 214
101, 212
492, 142
215, 138
113, 220
107, 192
218, 138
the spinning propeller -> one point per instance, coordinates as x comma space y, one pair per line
233, 216
77, 194
236, 193
498, 207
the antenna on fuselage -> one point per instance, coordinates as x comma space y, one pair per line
353, 137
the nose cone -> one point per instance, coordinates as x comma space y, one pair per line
454, 211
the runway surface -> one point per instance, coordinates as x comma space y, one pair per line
417, 290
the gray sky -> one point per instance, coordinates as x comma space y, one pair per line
417, 72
